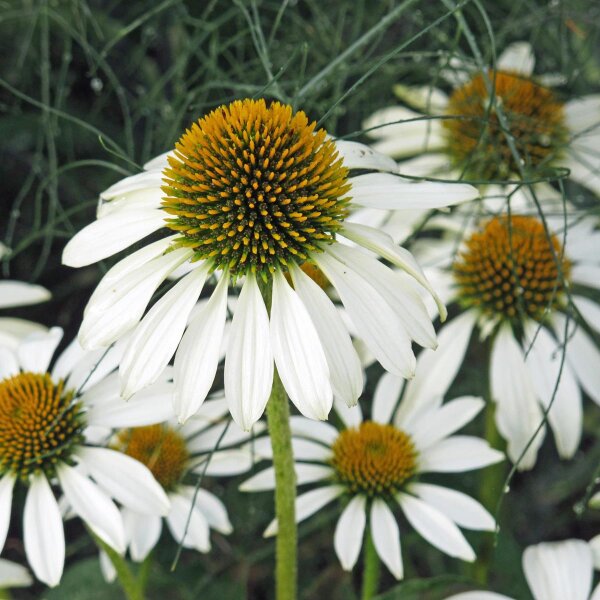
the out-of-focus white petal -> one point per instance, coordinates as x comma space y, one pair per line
386, 537
20, 293
517, 57
35, 352
349, 531
7, 484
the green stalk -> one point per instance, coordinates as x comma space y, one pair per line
371, 569
278, 419
127, 580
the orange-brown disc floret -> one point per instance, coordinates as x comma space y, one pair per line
374, 459
160, 448
511, 269
478, 143
253, 186
39, 424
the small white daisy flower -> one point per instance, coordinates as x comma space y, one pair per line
516, 287
555, 571
379, 465
255, 193
50, 421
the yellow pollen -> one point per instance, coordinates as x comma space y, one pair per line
39, 424
477, 143
160, 448
374, 459
511, 272
248, 171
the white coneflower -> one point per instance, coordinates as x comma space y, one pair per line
377, 464
48, 433
254, 193
518, 285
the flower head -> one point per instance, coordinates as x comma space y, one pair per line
258, 197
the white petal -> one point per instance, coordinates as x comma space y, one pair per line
303, 449
197, 357
135, 200
590, 311
518, 57
425, 98
35, 352
437, 369
386, 537
155, 339
383, 190
349, 531
383, 245
351, 416
158, 162
9, 364
375, 320
142, 531
478, 595
385, 398
308, 504
93, 506
426, 165
7, 484
229, 462
320, 432
125, 479
111, 234
458, 453
305, 473
249, 359
208, 439
298, 352
460, 508
583, 114
437, 529
445, 421
556, 571
134, 183
118, 304
211, 507
361, 156
106, 567
12, 331
343, 361
20, 293
43, 532
518, 414
182, 515
544, 365
584, 166
13, 575
585, 274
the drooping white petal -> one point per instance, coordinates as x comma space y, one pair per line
197, 357
319, 431
211, 507
361, 156
249, 359
111, 234
375, 320
518, 414
458, 453
118, 305
351, 416
544, 365
555, 571
298, 352
14, 575
425, 98
183, 516
517, 57
93, 506
209, 438
309, 503
386, 537
125, 479
20, 293
142, 531
228, 462
155, 339
391, 192
343, 361
43, 532
460, 508
305, 473
385, 398
436, 528
7, 484
349, 531
445, 421
303, 449
35, 352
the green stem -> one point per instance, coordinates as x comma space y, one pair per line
131, 588
278, 418
371, 569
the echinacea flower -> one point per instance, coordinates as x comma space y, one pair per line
522, 287
49, 425
177, 455
555, 571
378, 465
255, 194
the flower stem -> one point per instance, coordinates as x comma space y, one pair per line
371, 569
129, 583
278, 418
